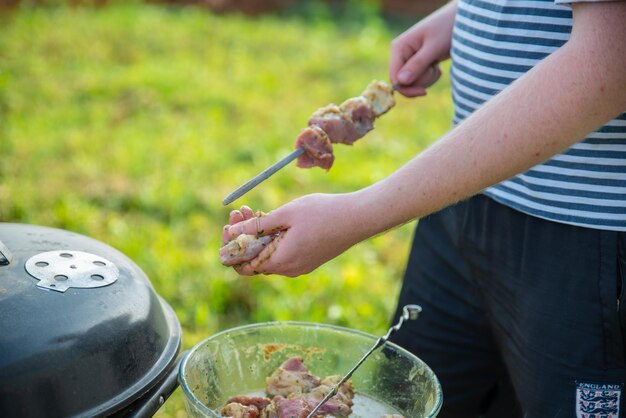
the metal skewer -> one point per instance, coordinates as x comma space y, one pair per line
408, 312
262, 176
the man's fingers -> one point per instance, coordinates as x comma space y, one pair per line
225, 235
419, 86
235, 217
246, 221
416, 66
243, 227
249, 227
430, 76
411, 91
247, 212
402, 49
257, 225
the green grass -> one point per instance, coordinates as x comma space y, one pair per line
130, 123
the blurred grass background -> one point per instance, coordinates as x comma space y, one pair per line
130, 122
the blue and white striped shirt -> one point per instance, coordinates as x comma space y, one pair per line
495, 42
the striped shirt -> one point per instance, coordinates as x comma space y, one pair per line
496, 41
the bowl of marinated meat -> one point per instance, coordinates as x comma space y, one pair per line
285, 369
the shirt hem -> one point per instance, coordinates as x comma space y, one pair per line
520, 208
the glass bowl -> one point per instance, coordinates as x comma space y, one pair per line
238, 360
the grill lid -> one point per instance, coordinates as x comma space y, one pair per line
83, 331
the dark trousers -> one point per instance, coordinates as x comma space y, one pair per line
521, 316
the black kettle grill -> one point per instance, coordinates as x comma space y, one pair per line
82, 331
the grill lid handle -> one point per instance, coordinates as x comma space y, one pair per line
5, 255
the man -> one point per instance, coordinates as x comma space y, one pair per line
521, 283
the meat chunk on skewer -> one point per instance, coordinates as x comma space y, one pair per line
361, 114
318, 151
337, 125
343, 124
380, 97
346, 123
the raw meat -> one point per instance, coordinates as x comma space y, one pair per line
243, 248
293, 392
343, 124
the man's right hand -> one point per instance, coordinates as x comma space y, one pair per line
415, 54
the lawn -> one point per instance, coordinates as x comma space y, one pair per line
130, 123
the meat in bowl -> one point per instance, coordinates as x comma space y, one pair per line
293, 392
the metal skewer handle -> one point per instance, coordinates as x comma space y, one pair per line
408, 312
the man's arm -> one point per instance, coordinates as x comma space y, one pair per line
572, 92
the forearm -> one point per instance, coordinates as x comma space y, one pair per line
569, 94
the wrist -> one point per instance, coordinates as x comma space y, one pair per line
377, 210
